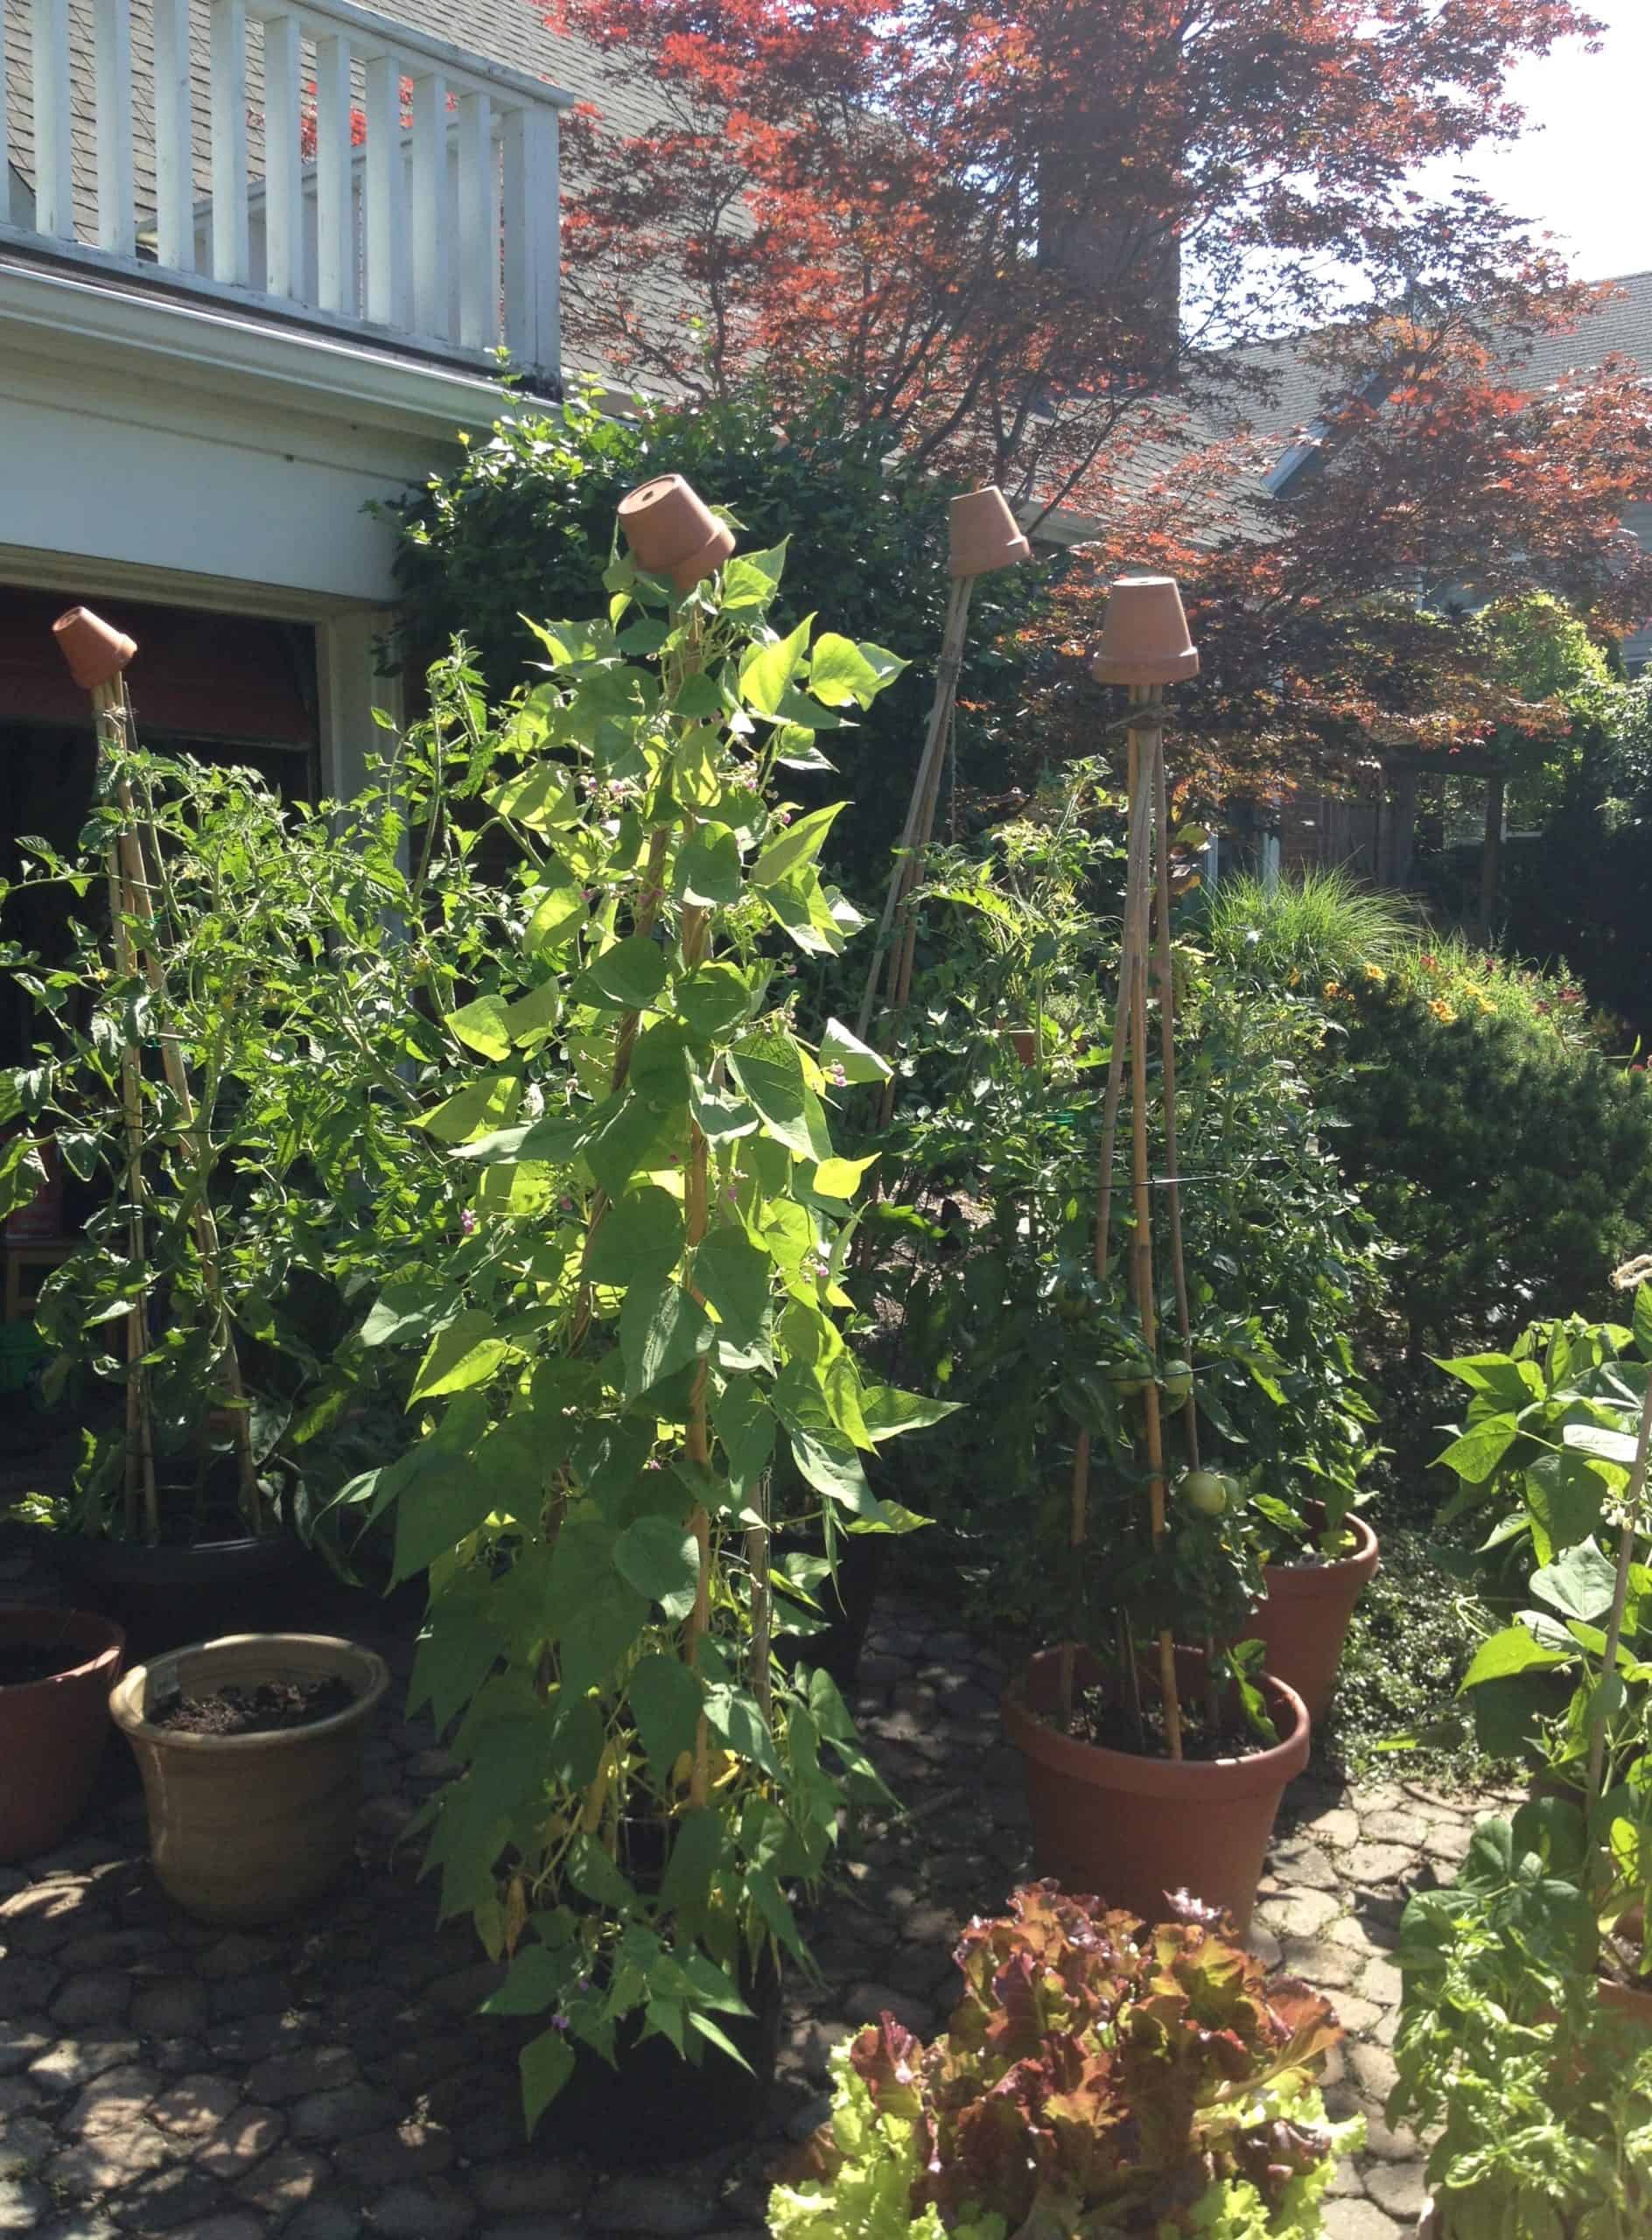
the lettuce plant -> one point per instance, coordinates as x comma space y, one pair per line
641, 1307
1100, 2076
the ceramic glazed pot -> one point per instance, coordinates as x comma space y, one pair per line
1128, 1830
95, 651
672, 532
245, 1828
983, 534
1145, 634
1303, 1619
53, 1731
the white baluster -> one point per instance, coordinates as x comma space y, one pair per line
174, 138
478, 226
284, 158
387, 212
430, 205
532, 237
5, 150
53, 173
335, 234
232, 241
116, 219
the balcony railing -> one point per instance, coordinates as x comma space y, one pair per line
342, 168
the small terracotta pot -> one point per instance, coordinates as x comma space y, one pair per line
672, 532
1025, 1042
245, 1828
95, 651
53, 1731
1303, 1619
1130, 1829
1144, 637
983, 534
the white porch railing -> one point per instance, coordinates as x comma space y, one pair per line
343, 167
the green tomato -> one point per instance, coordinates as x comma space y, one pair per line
1127, 1384
1177, 1381
1204, 1491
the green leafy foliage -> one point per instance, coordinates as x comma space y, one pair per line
1539, 2094
1098, 2074
639, 1312
526, 525
1542, 1459
308, 1028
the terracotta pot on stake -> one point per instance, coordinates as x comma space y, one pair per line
1128, 1826
1303, 1619
672, 532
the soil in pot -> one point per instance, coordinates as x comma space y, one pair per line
54, 1722
1131, 1828
24, 1663
1101, 1721
271, 1708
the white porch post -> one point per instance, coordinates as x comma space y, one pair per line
349, 688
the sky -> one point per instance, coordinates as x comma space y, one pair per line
1587, 174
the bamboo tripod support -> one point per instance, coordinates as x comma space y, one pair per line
133, 919
892, 961
1146, 879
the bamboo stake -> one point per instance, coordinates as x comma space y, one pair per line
1164, 973
1144, 748
914, 834
111, 703
1632, 1505
139, 1469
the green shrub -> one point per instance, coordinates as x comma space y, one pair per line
1504, 1155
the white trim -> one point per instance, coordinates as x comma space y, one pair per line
335, 379
84, 577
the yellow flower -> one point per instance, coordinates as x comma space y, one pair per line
1443, 1011
1331, 990
1293, 977
1487, 1009
1376, 975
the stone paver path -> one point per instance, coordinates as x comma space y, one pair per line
330, 2079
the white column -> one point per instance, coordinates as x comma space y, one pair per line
335, 229
350, 688
478, 227
231, 243
533, 237
53, 171
174, 138
430, 205
116, 218
387, 238
283, 159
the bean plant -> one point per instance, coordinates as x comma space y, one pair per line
641, 1312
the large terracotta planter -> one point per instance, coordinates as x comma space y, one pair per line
245, 1828
1627, 1999
53, 1731
1303, 1620
1128, 1829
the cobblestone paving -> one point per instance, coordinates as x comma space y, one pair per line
331, 2079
